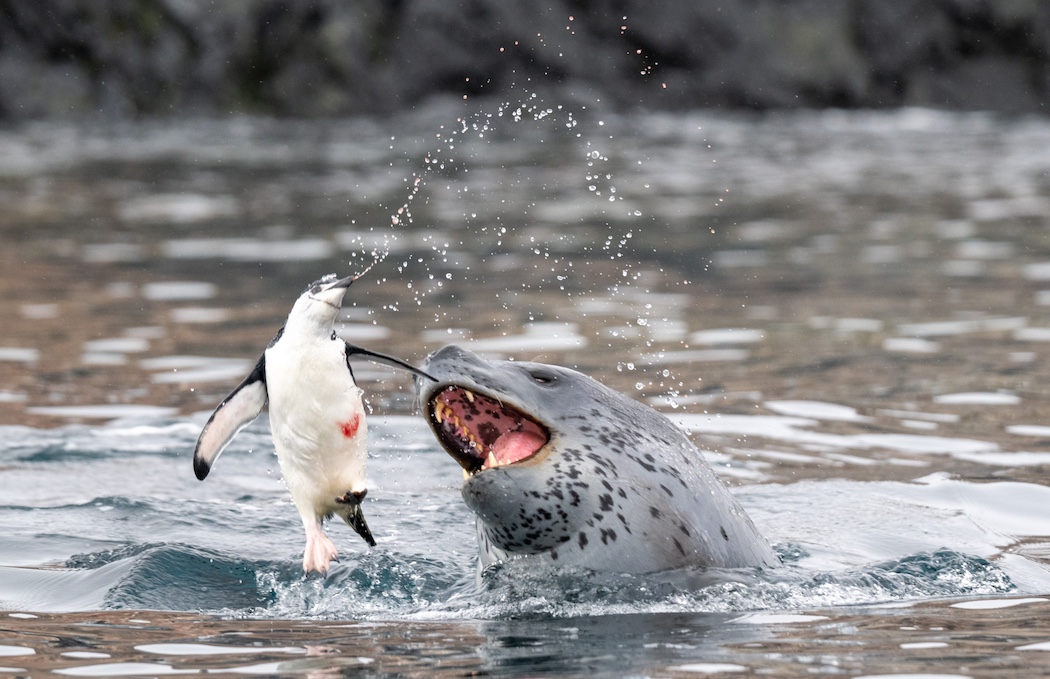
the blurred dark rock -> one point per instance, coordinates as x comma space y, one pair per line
70, 58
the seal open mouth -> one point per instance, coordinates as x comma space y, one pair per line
480, 432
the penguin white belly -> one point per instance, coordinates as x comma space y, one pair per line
318, 424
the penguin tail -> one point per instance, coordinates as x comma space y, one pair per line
353, 515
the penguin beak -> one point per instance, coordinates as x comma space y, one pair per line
332, 294
342, 283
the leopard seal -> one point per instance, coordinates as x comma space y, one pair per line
561, 469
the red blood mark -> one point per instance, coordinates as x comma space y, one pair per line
350, 426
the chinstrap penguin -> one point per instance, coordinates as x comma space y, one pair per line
317, 418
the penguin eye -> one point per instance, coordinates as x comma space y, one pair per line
316, 289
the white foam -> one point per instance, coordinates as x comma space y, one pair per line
110, 253
735, 259
1037, 430
910, 345
179, 290
845, 325
818, 410
914, 676
19, 354
103, 412
122, 669
794, 430
177, 207
994, 604
39, 311
778, 618
983, 249
709, 668
117, 345
727, 336
963, 268
938, 328
1005, 459
12, 651
1037, 271
920, 424
249, 249
882, 254
988, 398
916, 415
102, 358
199, 315
215, 649
1032, 334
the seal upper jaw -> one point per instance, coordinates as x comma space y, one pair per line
483, 432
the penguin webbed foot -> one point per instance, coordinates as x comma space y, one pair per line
319, 551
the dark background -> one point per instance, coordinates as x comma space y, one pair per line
318, 58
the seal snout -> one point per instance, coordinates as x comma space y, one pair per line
481, 432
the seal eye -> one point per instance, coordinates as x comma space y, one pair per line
540, 377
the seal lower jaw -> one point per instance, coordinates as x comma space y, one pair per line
482, 432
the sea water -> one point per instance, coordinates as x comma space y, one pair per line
846, 312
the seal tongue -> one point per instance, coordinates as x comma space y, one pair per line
516, 445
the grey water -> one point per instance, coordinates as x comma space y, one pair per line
848, 312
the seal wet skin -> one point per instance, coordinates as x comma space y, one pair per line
560, 468
316, 417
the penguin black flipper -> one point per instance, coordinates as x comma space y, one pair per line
352, 350
232, 415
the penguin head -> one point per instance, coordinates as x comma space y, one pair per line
320, 302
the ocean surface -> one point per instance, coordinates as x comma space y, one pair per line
848, 312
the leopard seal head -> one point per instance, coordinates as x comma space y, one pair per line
562, 469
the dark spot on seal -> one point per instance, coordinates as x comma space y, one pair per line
605, 502
679, 546
655, 512
583, 540
488, 433
685, 529
666, 490
608, 534
722, 530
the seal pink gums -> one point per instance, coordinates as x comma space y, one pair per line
481, 432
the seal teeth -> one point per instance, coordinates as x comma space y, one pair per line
469, 394
491, 461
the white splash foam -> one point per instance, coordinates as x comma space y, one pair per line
910, 345
994, 604
727, 336
988, 398
103, 412
817, 410
215, 649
